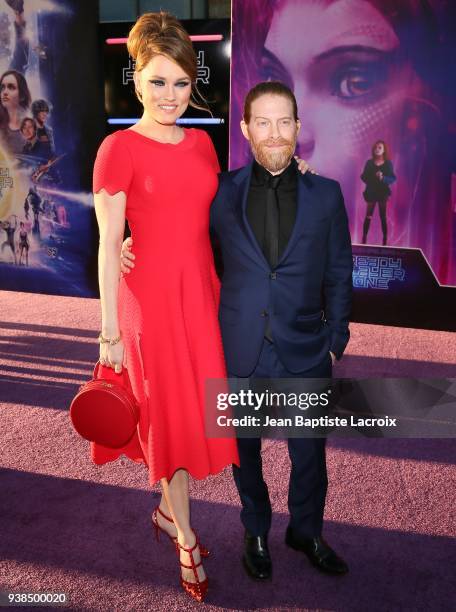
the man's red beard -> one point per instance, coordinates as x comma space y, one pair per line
273, 159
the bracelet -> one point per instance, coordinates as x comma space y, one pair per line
111, 341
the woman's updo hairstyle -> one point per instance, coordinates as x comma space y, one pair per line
162, 34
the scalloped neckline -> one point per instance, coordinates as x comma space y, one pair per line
159, 142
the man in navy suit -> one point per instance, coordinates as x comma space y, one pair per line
284, 308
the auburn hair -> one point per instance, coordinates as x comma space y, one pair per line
268, 87
162, 34
385, 148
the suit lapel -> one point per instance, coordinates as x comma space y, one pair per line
304, 209
242, 180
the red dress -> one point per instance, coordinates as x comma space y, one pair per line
168, 303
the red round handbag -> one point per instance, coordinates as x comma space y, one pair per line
105, 410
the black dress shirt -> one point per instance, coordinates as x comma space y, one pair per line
287, 201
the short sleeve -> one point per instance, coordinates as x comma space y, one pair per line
113, 169
211, 152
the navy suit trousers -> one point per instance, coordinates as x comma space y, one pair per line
308, 479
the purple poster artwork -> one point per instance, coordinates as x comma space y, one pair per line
364, 71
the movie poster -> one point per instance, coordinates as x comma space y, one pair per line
363, 71
50, 121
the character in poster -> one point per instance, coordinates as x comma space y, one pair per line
45, 134
362, 70
24, 244
20, 56
14, 102
10, 230
378, 174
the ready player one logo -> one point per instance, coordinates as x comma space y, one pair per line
203, 75
127, 73
203, 71
6, 181
376, 272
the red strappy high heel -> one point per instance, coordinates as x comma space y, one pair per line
197, 589
204, 552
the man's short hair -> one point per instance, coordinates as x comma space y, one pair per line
269, 87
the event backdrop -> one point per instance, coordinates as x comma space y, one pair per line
364, 70
50, 123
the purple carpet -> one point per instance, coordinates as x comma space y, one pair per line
70, 526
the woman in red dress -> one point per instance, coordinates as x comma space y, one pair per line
161, 319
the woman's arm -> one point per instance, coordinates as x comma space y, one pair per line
110, 212
389, 177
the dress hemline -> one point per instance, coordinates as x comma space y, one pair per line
192, 473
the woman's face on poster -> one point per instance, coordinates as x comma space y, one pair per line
345, 73
9, 92
379, 149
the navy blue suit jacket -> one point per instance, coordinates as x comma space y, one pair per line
307, 297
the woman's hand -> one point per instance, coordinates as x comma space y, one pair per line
303, 166
112, 356
126, 256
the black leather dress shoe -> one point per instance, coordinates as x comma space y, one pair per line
318, 552
256, 558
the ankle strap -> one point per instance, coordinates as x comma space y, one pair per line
160, 511
195, 566
189, 550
